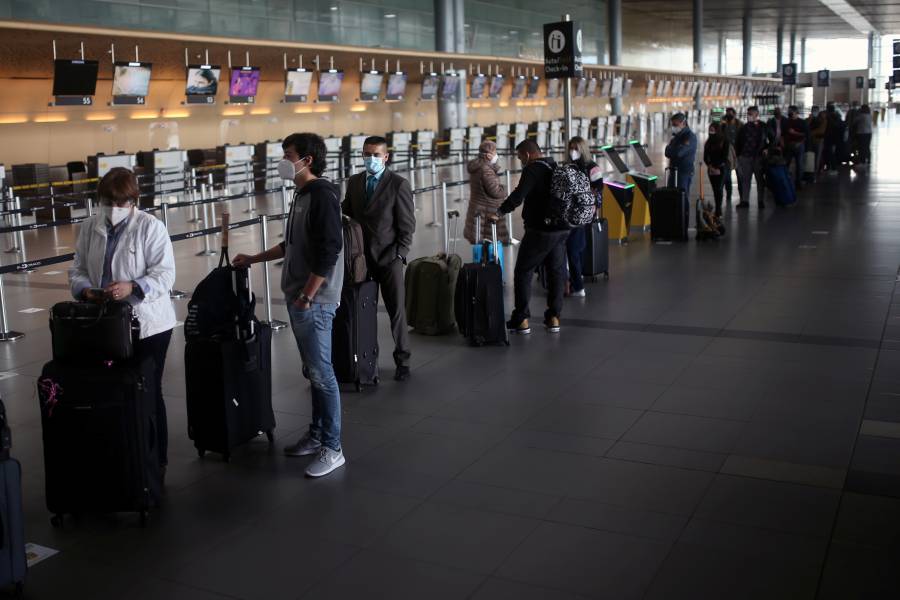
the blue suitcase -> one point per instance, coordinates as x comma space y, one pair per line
779, 181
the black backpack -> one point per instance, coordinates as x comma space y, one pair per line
5, 434
223, 305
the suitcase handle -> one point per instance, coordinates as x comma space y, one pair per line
226, 221
454, 215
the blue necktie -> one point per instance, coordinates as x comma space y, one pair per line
370, 187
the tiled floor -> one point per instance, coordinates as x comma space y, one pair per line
718, 420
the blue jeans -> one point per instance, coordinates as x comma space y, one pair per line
575, 246
312, 329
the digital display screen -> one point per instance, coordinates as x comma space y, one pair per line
479, 84
244, 82
396, 87
370, 86
518, 87
533, 86
496, 86
296, 85
613, 156
449, 86
553, 88
430, 85
131, 79
581, 89
74, 77
592, 87
202, 80
330, 85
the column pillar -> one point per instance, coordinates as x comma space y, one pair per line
614, 25
721, 59
779, 49
748, 45
793, 46
449, 36
698, 36
803, 55
444, 28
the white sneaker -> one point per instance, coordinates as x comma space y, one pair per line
305, 446
579, 294
327, 461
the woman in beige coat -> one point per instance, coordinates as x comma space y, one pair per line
486, 193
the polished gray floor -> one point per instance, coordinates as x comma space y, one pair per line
717, 420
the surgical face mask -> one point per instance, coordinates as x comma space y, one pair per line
676, 130
116, 214
286, 169
494, 159
374, 164
575, 155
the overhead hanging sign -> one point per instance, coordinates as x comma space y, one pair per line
823, 78
562, 50
861, 83
789, 74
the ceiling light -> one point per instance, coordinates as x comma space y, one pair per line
390, 16
513, 32
334, 8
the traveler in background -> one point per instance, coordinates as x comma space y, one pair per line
681, 152
311, 279
851, 120
125, 254
716, 155
486, 193
796, 132
541, 244
382, 202
580, 158
863, 129
835, 130
751, 148
777, 126
731, 125
818, 125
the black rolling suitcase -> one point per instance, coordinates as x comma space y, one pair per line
669, 214
480, 314
229, 391
595, 260
100, 440
354, 335
227, 362
13, 564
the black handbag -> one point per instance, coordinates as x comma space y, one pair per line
91, 332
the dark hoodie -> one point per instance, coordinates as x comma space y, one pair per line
534, 191
314, 242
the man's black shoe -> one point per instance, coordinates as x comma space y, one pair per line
402, 373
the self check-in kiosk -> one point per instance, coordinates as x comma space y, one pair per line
644, 183
618, 199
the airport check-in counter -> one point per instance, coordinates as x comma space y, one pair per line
519, 134
600, 126
423, 140
163, 174
644, 183
268, 155
238, 161
474, 137
400, 146
582, 127
333, 148
499, 134
618, 198
352, 146
454, 145
556, 141
540, 132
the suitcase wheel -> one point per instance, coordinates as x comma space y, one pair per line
57, 521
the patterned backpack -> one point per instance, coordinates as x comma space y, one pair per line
572, 202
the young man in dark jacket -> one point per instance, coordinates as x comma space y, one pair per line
681, 152
311, 279
542, 242
750, 148
381, 201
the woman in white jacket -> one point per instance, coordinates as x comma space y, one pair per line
125, 254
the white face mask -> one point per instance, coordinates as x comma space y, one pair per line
575, 155
676, 130
286, 169
116, 214
494, 159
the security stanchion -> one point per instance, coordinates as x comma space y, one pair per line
509, 220
264, 245
459, 167
444, 214
21, 234
6, 335
52, 205
248, 180
207, 250
412, 172
10, 219
195, 210
164, 211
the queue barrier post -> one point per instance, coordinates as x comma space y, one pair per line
207, 250
275, 324
459, 166
6, 335
195, 210
509, 220
164, 211
248, 180
10, 201
20, 233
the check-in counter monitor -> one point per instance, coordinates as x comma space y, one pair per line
454, 143
163, 174
600, 125
265, 168
539, 131
352, 146
519, 134
238, 161
474, 137
499, 134
333, 147
423, 140
400, 146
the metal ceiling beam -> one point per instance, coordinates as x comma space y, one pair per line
844, 10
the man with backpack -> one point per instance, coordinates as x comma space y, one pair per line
311, 278
544, 241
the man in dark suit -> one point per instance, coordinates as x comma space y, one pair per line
382, 202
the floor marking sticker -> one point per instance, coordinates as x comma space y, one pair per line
35, 553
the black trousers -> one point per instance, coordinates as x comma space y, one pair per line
718, 186
864, 143
156, 347
540, 247
393, 293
